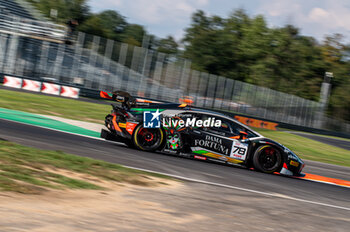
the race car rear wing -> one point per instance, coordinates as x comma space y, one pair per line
126, 99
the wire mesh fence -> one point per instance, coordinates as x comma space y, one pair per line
103, 64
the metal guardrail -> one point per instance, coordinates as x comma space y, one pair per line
12, 23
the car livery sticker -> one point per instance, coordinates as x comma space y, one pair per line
200, 157
221, 147
239, 150
214, 144
202, 151
130, 126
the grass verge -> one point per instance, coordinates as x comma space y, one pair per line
308, 148
29, 170
51, 105
325, 136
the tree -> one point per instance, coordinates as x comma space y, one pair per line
114, 24
67, 9
78, 10
204, 44
246, 49
336, 57
168, 45
134, 34
94, 25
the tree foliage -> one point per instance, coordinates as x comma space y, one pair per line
66, 9
113, 23
168, 45
245, 48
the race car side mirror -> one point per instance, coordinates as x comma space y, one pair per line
243, 135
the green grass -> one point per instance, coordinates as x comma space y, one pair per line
27, 170
325, 136
308, 148
51, 105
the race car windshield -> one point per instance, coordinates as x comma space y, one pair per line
231, 127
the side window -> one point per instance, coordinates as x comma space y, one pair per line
225, 124
236, 128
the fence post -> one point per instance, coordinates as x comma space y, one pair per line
134, 77
282, 107
202, 90
194, 85
147, 81
157, 75
12, 57
106, 63
58, 61
77, 55
219, 92
307, 113
92, 60
185, 76
171, 92
238, 96
211, 90
295, 111
120, 72
3, 47
227, 94
266, 102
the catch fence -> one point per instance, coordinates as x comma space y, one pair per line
99, 63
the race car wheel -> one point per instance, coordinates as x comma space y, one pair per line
108, 121
267, 159
148, 139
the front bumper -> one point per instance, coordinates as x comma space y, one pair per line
292, 167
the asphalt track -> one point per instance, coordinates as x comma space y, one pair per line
327, 140
336, 198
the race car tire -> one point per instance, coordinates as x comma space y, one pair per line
108, 121
267, 159
148, 139
130, 144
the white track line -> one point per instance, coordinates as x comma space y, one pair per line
241, 189
206, 182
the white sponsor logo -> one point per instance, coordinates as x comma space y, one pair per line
191, 122
212, 142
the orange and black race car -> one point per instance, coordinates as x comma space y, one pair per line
196, 133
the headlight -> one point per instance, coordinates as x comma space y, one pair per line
290, 154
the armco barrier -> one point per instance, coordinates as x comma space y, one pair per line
38, 86
50, 88
31, 85
67, 91
13, 82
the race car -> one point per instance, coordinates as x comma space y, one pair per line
196, 133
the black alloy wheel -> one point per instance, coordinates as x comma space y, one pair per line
267, 159
148, 139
